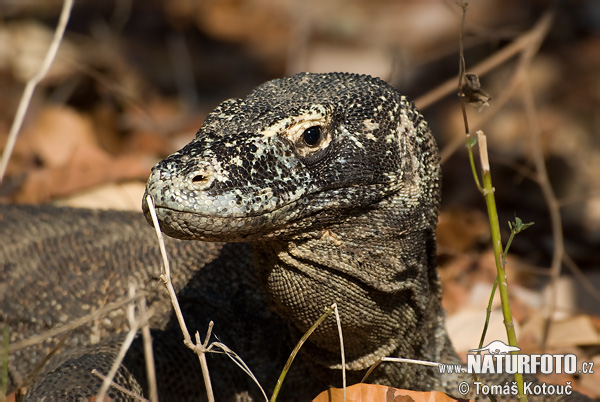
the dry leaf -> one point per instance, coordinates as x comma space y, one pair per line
57, 133
123, 196
89, 167
383, 393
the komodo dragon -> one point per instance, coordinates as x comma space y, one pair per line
327, 188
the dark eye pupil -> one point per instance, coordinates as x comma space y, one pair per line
312, 136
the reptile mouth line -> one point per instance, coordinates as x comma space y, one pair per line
257, 215
223, 217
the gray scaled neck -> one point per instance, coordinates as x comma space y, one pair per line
378, 266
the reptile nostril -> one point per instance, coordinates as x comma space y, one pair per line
202, 180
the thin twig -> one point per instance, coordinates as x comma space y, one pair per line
398, 360
198, 348
343, 355
238, 361
40, 365
120, 388
529, 44
31, 85
551, 201
148, 354
34, 340
201, 352
495, 60
295, 351
134, 325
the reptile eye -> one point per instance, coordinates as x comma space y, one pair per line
312, 136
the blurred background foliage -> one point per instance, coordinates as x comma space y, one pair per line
133, 80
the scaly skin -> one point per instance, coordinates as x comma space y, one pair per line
327, 187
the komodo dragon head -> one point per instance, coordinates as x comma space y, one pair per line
295, 153
334, 179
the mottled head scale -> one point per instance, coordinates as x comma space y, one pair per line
305, 146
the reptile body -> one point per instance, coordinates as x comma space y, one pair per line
326, 187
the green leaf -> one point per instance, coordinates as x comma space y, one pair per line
471, 141
518, 226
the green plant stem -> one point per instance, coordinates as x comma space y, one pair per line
4, 358
288, 364
490, 201
488, 313
470, 151
508, 243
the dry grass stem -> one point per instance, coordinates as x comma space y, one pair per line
34, 340
148, 354
296, 349
166, 276
117, 386
523, 42
483, 154
551, 201
199, 348
398, 360
31, 85
343, 355
528, 44
134, 325
237, 360
39, 366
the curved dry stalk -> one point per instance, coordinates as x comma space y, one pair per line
398, 360
198, 348
527, 45
534, 35
120, 388
296, 349
343, 355
134, 325
34, 340
32, 84
238, 361
148, 353
551, 201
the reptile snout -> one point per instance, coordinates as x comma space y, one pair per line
184, 173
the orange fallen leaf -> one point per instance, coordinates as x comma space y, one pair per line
383, 393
